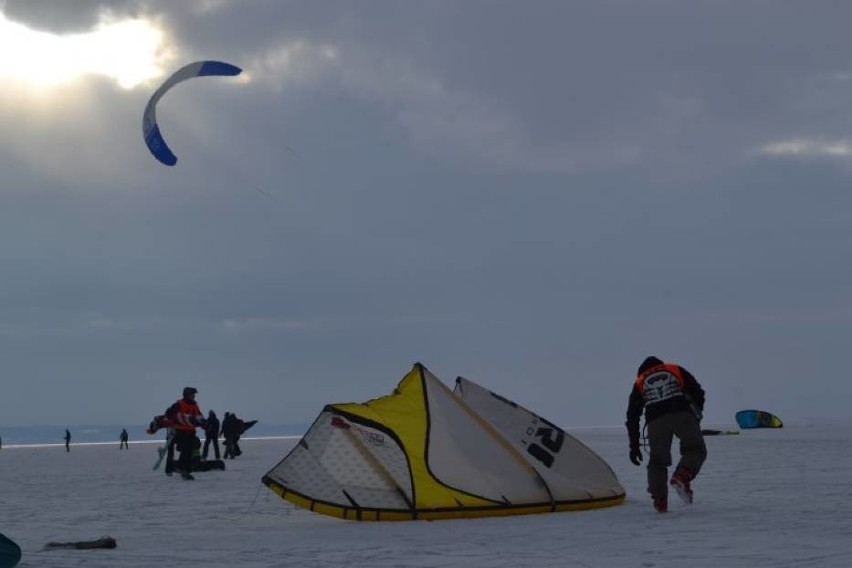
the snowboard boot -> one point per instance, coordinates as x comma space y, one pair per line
680, 481
661, 504
184, 474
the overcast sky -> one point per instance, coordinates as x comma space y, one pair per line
531, 194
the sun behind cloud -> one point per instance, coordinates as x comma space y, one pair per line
124, 50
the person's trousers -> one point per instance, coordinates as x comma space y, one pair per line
186, 443
207, 447
661, 433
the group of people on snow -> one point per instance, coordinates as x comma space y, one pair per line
183, 417
669, 396
231, 428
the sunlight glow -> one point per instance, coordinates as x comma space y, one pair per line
125, 51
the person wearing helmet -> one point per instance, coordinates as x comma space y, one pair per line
673, 403
185, 416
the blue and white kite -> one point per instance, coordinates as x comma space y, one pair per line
153, 138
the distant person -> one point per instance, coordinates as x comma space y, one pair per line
185, 416
211, 435
673, 403
231, 430
67, 440
123, 437
228, 435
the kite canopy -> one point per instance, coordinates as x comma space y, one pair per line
426, 452
757, 419
150, 130
10, 552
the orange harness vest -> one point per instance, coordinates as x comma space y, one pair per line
186, 411
660, 383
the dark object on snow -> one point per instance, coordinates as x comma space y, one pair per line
720, 432
103, 542
209, 465
10, 552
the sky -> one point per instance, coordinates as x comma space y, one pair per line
532, 195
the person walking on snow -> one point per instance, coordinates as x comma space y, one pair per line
211, 435
673, 403
230, 431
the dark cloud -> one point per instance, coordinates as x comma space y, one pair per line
426, 216
63, 16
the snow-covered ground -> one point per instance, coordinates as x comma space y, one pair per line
765, 498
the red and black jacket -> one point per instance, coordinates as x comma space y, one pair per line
661, 389
185, 415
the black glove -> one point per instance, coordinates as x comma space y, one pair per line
635, 455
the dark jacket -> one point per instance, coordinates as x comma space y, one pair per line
212, 429
230, 426
682, 392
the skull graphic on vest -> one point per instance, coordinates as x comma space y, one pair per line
661, 386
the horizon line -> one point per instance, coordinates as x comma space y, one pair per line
134, 442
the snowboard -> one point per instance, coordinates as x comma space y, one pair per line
10, 553
209, 465
163, 450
